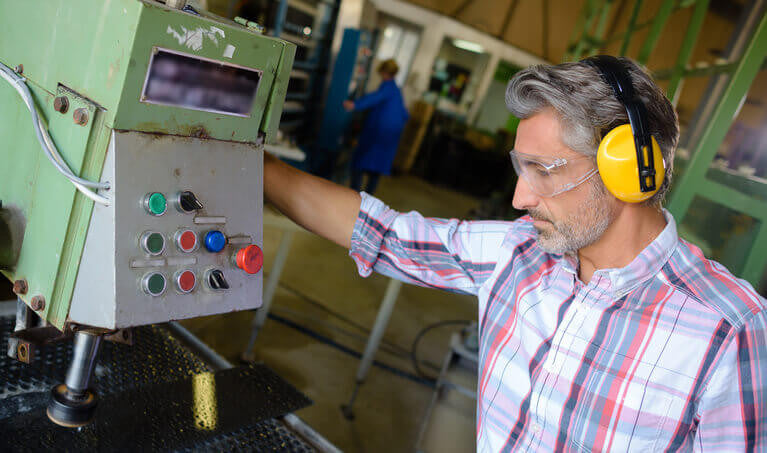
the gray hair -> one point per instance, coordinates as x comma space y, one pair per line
588, 109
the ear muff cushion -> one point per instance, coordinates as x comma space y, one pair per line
617, 163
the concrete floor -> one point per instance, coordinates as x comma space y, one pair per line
321, 291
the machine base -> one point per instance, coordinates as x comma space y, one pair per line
155, 395
70, 412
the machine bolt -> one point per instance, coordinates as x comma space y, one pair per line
38, 303
23, 352
19, 69
20, 287
81, 116
61, 104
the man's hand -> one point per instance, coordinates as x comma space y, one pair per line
320, 206
348, 105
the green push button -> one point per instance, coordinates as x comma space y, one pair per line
153, 242
155, 203
154, 284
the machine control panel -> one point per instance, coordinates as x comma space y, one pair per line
248, 259
186, 230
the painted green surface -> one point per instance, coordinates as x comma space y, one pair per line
693, 28
656, 29
630, 28
96, 53
276, 100
101, 50
694, 182
44, 198
699, 181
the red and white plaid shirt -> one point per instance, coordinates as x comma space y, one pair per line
667, 353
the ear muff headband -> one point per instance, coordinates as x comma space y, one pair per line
630, 162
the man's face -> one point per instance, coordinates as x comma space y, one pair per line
570, 220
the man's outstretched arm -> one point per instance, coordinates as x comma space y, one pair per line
320, 206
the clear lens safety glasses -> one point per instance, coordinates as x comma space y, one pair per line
548, 177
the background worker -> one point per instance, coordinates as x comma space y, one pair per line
378, 141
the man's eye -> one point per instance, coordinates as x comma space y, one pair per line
540, 170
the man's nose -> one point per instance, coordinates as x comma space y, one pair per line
524, 197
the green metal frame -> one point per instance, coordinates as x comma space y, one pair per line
694, 182
96, 54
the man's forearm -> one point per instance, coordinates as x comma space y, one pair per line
316, 204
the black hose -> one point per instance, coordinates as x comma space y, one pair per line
424, 331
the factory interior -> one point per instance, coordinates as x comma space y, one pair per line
156, 296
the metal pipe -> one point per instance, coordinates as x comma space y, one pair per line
271, 287
209, 356
382, 321
85, 351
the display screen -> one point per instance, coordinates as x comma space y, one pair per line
196, 83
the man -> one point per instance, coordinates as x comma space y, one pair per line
600, 329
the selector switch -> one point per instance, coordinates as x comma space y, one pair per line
186, 240
186, 201
152, 242
155, 203
186, 281
250, 259
215, 241
153, 283
216, 280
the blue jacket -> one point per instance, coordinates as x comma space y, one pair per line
383, 126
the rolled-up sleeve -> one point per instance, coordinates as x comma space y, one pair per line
447, 254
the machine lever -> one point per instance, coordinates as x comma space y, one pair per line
216, 280
188, 201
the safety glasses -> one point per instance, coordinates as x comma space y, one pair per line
548, 177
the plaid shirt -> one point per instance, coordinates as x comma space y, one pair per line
667, 353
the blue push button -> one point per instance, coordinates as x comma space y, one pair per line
215, 241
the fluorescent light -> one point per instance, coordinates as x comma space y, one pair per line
468, 45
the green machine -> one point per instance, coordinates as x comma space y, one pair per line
131, 179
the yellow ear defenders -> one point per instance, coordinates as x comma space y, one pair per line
629, 158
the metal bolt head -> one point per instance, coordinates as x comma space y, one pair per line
61, 104
38, 303
81, 116
20, 287
19, 69
22, 352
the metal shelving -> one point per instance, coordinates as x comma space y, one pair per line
310, 26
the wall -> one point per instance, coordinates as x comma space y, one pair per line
493, 114
435, 28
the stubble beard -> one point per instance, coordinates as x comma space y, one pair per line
579, 229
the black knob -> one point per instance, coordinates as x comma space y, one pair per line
188, 202
216, 280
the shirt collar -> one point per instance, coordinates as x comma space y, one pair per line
646, 265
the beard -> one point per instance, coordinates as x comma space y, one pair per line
580, 228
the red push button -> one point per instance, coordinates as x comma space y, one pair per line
186, 281
250, 259
186, 240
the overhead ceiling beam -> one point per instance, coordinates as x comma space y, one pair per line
507, 20
458, 11
545, 28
